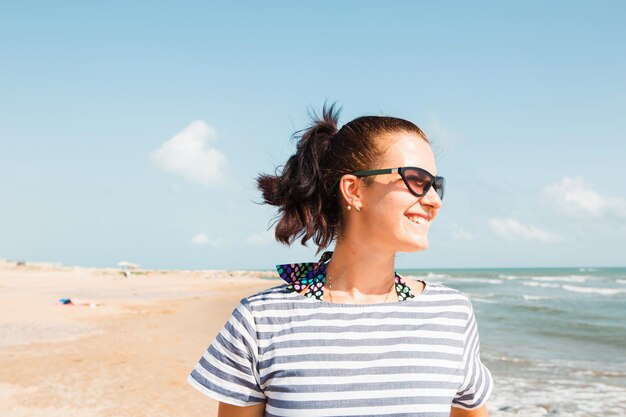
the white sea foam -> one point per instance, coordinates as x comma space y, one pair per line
621, 281
434, 275
600, 373
481, 280
568, 278
483, 300
535, 297
540, 284
547, 397
512, 359
509, 277
591, 290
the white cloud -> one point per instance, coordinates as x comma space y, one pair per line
512, 229
260, 239
188, 154
460, 234
202, 239
575, 198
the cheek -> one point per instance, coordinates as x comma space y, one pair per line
387, 211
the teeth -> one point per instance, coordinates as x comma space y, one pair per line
417, 219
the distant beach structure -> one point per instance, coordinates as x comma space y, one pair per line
127, 267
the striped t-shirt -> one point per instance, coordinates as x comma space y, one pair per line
305, 357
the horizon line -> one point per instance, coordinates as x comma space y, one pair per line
25, 263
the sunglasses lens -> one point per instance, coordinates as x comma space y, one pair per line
420, 182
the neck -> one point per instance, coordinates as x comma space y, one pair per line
361, 275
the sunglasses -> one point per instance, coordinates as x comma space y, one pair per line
417, 180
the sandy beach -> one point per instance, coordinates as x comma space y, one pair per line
123, 348
125, 345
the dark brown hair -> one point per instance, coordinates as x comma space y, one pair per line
305, 189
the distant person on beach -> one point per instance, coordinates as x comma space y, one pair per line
347, 335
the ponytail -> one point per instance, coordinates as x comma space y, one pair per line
300, 190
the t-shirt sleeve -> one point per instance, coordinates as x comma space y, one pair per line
478, 382
228, 370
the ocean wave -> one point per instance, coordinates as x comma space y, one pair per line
413, 277
484, 300
512, 359
434, 275
540, 309
591, 290
621, 281
481, 280
479, 294
568, 278
541, 284
509, 277
600, 373
538, 397
536, 297
602, 336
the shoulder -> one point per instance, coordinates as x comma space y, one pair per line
273, 296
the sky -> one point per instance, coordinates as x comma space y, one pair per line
134, 132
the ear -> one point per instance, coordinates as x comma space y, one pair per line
350, 188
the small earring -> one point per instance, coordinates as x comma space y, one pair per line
358, 208
348, 207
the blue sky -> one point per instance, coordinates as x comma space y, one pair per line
135, 132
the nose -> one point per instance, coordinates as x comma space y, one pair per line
432, 199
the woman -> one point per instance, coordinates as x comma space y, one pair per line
347, 336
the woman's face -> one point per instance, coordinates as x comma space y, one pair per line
389, 210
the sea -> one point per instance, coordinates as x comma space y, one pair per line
554, 339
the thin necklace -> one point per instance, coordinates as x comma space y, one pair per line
330, 288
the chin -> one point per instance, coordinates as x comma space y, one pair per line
415, 246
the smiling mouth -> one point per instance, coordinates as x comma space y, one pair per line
417, 219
